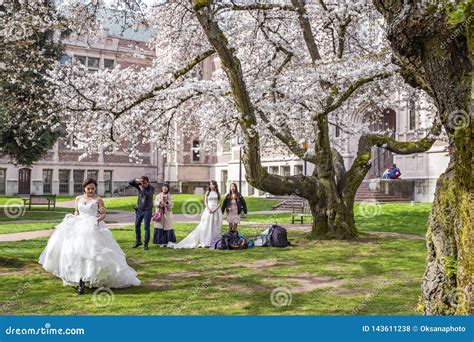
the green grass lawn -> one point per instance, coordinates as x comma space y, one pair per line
403, 218
35, 215
186, 203
373, 276
6, 228
16, 199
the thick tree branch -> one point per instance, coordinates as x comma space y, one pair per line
307, 187
257, 6
176, 75
362, 163
353, 87
306, 29
284, 135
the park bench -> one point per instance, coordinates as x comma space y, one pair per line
49, 200
300, 212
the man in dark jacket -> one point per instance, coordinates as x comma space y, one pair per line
143, 209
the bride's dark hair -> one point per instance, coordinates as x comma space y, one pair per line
213, 182
89, 181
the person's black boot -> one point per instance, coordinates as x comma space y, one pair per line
145, 247
137, 244
81, 287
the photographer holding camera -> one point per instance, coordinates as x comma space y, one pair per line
143, 209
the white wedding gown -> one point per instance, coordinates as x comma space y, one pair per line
208, 229
82, 248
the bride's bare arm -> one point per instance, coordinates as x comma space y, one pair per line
102, 212
76, 210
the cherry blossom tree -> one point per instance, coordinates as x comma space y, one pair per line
288, 72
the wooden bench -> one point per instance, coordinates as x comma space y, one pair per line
300, 212
49, 200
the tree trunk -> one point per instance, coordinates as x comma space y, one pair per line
435, 56
332, 221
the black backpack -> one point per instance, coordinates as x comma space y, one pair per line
234, 241
278, 237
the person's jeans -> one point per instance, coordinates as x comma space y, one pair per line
139, 217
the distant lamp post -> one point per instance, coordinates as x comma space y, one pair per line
240, 141
305, 147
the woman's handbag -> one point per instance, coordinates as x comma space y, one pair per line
157, 217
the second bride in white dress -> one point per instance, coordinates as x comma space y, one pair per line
210, 227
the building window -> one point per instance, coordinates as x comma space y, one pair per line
108, 181
109, 63
226, 146
273, 170
412, 114
298, 169
337, 131
285, 171
78, 177
47, 181
196, 151
224, 178
3, 180
64, 182
81, 59
94, 174
92, 63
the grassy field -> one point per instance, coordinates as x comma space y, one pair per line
403, 218
16, 199
185, 203
17, 227
370, 276
35, 215
374, 276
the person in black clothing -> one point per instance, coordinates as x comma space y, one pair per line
234, 204
143, 209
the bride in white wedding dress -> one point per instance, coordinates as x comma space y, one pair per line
83, 252
210, 226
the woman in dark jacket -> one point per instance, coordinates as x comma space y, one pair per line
234, 204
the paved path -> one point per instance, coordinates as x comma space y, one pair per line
302, 227
127, 218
